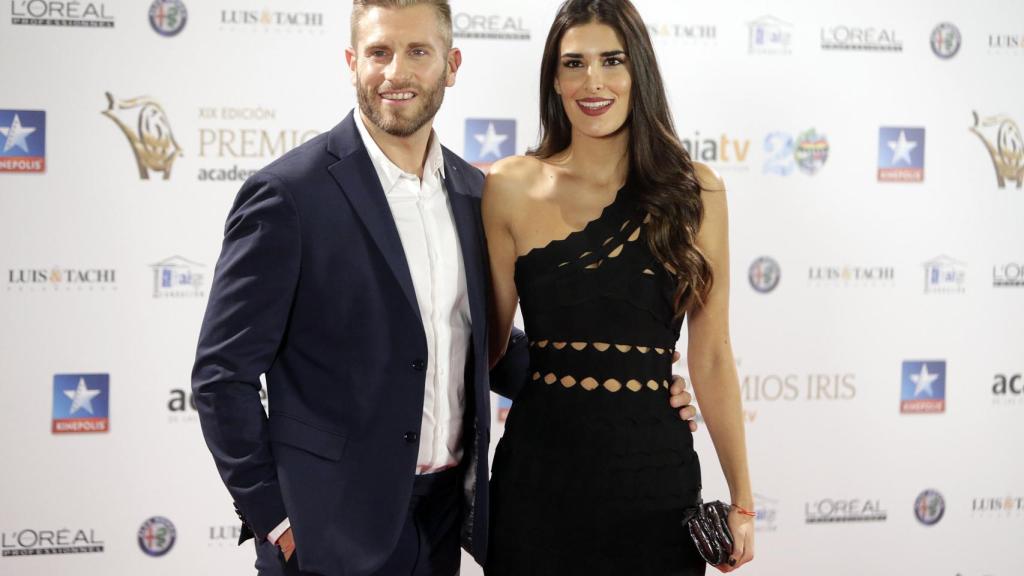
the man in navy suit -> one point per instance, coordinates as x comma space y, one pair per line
353, 274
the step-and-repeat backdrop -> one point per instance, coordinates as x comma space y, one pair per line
874, 161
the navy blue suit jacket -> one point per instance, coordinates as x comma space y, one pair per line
312, 288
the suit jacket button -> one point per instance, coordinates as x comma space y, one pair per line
418, 365
411, 437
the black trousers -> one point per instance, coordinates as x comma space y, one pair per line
428, 545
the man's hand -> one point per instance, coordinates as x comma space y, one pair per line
680, 398
287, 544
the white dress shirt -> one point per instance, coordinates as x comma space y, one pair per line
426, 227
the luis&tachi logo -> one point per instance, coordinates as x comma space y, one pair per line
860, 39
770, 35
923, 387
81, 403
275, 21
177, 277
60, 13
830, 511
1002, 138
900, 154
683, 34
852, 276
473, 26
31, 542
144, 123
1009, 43
998, 507
764, 274
23, 146
156, 536
808, 152
168, 17
944, 275
945, 40
59, 279
489, 140
929, 507
224, 535
724, 152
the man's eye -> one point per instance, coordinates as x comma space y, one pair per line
419, 52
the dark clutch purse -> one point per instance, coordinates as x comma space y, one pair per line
709, 527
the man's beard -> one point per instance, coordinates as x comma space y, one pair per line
396, 124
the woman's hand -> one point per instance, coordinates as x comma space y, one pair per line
742, 528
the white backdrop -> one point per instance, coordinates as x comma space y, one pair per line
890, 298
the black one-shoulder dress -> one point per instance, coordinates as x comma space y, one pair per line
595, 468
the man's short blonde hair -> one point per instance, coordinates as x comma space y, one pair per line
444, 14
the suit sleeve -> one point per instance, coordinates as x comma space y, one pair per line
510, 373
253, 288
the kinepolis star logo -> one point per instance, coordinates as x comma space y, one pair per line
829, 511
235, 142
58, 279
808, 152
168, 17
860, 38
489, 140
1002, 138
32, 542
488, 27
81, 403
944, 275
24, 141
945, 40
725, 151
145, 125
764, 274
177, 277
60, 13
929, 507
923, 387
770, 35
156, 536
900, 154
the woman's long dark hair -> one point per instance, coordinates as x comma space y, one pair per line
661, 175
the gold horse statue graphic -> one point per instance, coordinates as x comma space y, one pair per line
144, 122
1002, 137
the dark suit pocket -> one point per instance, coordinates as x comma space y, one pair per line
296, 433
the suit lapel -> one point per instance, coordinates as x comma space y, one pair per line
358, 180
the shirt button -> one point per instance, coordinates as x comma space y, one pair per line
411, 437
418, 365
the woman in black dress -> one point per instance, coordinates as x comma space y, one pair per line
608, 234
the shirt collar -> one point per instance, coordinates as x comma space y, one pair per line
389, 172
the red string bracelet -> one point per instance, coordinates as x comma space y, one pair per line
744, 511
